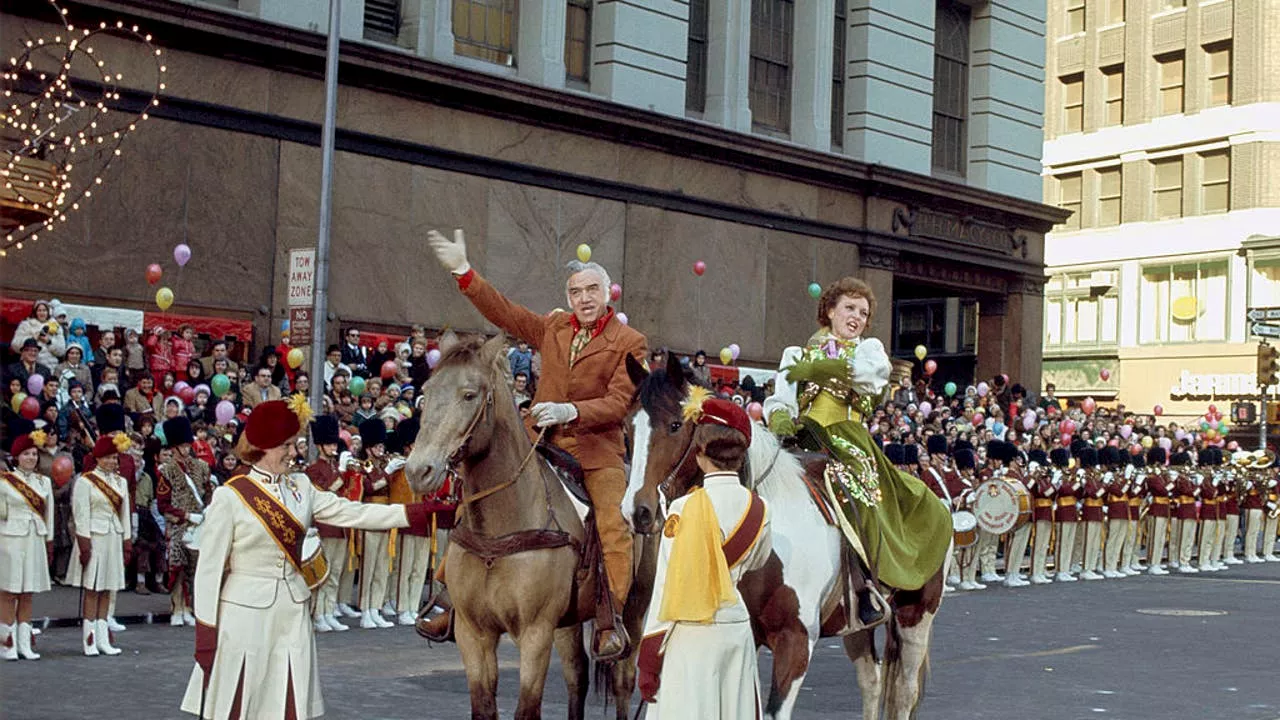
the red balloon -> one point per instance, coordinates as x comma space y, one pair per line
1213, 409
30, 408
187, 395
63, 469
1065, 439
153, 273
1113, 442
1105, 374
1088, 405
699, 268
1158, 410
930, 367
389, 369
977, 418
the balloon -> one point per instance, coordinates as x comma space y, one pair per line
284, 326
926, 407
179, 386
1065, 439
726, 356
983, 388
1213, 409
1204, 424
1105, 374
930, 367
35, 384
345, 437
357, 386
30, 408
699, 267
998, 428
154, 272
63, 469
1211, 434
733, 348
1180, 434
815, 290
1158, 410
949, 389
1165, 443
164, 298
921, 351
1126, 431
1114, 442
388, 370
220, 384
224, 411
1233, 446
1222, 425
615, 292
1147, 442
294, 357
1028, 422
622, 318
433, 357
182, 254
187, 394
584, 253
1005, 378
755, 410
1088, 405
977, 419
202, 388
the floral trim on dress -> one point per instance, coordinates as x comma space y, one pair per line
859, 476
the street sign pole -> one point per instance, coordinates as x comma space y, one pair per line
320, 316
1262, 421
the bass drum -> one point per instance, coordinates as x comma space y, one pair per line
315, 568
964, 527
1002, 505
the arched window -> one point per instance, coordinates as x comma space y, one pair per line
950, 87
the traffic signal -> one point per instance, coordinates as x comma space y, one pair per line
1268, 364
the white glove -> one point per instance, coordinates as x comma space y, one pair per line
547, 414
195, 518
394, 465
344, 461
379, 484
452, 254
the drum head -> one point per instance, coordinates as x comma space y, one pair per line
963, 521
996, 507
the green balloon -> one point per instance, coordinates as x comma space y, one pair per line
950, 389
815, 290
357, 386
158, 431
220, 384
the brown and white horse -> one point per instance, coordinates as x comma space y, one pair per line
514, 556
796, 598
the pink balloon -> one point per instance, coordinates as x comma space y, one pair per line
35, 384
433, 358
179, 386
926, 407
983, 389
1105, 374
1213, 409
1088, 405
699, 267
1114, 442
734, 350
1158, 410
1028, 422
182, 254
1126, 431
755, 410
615, 292
1233, 446
1067, 426
930, 367
622, 318
1065, 439
224, 412
977, 419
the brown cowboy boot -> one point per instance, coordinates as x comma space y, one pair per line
435, 620
610, 641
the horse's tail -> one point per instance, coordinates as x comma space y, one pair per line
895, 680
602, 682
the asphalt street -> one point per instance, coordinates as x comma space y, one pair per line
1171, 648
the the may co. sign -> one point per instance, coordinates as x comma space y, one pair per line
302, 277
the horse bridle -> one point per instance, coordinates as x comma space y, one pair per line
456, 458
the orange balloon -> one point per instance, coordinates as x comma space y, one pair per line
63, 469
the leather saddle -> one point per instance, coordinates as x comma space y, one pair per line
568, 469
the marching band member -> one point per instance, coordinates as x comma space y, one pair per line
1067, 517
26, 544
1253, 504
989, 543
1184, 486
1129, 564
1159, 490
1008, 458
1042, 485
1268, 471
324, 475
1209, 526
1231, 508
352, 472
1118, 482
416, 545
378, 550
1091, 513
966, 464
698, 658
100, 507
255, 643
181, 493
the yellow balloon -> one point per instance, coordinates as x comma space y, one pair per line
1147, 442
921, 351
584, 252
164, 298
16, 402
295, 358
726, 356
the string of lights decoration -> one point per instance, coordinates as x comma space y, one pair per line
58, 130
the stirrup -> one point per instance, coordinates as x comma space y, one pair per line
610, 652
429, 625
853, 623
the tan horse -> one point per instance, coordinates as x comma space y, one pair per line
514, 556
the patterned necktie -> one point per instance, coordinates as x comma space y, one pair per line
580, 340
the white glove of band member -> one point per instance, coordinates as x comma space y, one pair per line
548, 414
344, 461
195, 518
452, 254
394, 465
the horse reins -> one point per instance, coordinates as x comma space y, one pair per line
468, 500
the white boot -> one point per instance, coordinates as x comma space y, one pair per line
8, 642
407, 618
335, 624
388, 608
1040, 580
1156, 570
103, 639
348, 611
366, 619
24, 642
1090, 575
380, 621
188, 619
321, 624
89, 628
115, 626
1065, 577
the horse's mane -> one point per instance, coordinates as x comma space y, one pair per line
654, 392
461, 352
785, 483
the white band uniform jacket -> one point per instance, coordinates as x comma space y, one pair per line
24, 565
105, 526
709, 672
248, 589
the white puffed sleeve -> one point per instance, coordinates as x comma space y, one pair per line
870, 368
784, 391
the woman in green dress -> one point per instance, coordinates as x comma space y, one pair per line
823, 393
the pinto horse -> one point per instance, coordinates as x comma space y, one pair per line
515, 555
798, 596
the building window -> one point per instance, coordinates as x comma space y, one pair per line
837, 75
1114, 12
1183, 303
485, 29
382, 20
695, 77
1215, 181
1109, 196
951, 87
919, 322
1113, 96
1168, 187
1171, 83
1082, 309
577, 41
1069, 187
1072, 103
1264, 282
770, 79
1075, 16
1218, 68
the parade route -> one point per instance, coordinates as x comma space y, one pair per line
1170, 648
